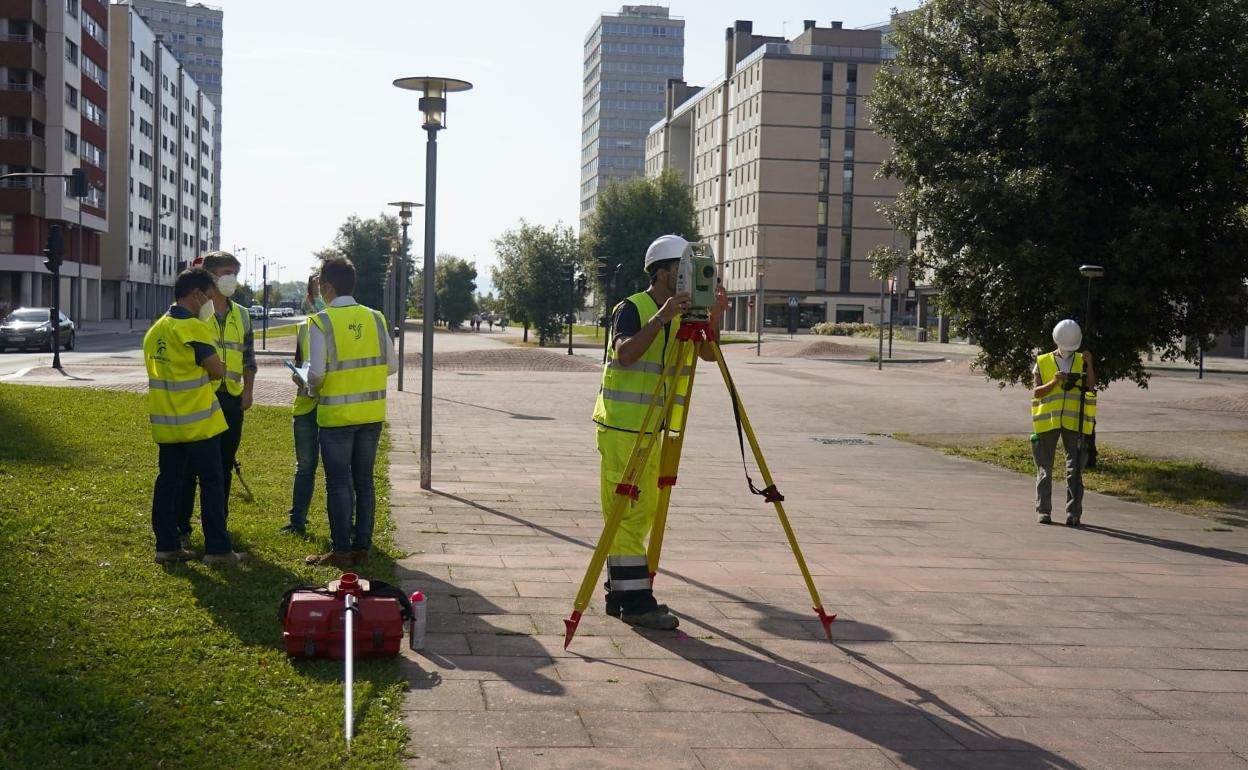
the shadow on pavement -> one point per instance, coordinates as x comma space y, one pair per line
1172, 545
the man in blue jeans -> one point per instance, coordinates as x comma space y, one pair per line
350, 356
305, 427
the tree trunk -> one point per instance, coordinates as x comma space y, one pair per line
526, 331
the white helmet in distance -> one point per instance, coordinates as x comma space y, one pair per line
1067, 335
666, 247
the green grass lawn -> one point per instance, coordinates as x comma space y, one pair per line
1185, 487
112, 661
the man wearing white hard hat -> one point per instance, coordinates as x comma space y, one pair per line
642, 327
1065, 387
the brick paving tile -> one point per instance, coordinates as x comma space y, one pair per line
600, 759
794, 759
491, 729
665, 728
441, 758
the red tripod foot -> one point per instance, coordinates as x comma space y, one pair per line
570, 624
824, 618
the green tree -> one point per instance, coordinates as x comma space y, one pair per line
1037, 135
532, 277
455, 281
368, 243
628, 216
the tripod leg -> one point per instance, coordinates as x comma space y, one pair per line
670, 463
775, 499
649, 435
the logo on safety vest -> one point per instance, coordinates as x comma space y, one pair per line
358, 329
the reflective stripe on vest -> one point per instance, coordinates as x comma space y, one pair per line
303, 402
231, 334
626, 391
356, 366
182, 405
1060, 408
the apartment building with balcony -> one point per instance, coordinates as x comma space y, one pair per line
783, 162
162, 126
53, 119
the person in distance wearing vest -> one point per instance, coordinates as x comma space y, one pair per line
232, 333
1060, 376
305, 428
643, 327
186, 419
350, 355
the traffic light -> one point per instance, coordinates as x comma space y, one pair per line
78, 183
604, 271
580, 283
55, 249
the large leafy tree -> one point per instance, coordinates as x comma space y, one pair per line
455, 284
368, 243
1037, 135
532, 276
628, 216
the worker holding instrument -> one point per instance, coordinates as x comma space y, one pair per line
643, 326
1063, 405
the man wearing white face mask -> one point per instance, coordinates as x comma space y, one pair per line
1065, 387
230, 326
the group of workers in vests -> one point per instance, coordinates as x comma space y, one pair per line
201, 367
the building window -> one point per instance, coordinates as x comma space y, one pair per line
851, 112
94, 71
851, 80
94, 113
71, 7
71, 142
71, 51
823, 213
71, 96
849, 314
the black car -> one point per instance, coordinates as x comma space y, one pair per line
29, 327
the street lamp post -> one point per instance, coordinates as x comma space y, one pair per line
433, 105
400, 300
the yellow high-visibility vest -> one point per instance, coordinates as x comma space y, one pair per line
229, 341
356, 366
303, 402
182, 404
1060, 408
626, 391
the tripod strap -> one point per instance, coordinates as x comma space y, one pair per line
770, 493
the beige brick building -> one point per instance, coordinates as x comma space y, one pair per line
783, 162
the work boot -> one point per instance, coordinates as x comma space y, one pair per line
339, 559
185, 541
1043, 518
172, 557
613, 603
291, 529
1072, 520
227, 559
660, 619
359, 555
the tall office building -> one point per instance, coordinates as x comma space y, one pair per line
629, 57
161, 125
53, 95
193, 31
782, 159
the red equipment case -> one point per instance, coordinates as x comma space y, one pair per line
312, 618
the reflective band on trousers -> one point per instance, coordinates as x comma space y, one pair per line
627, 561
353, 398
637, 398
185, 419
635, 584
172, 385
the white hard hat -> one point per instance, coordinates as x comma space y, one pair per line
666, 247
1067, 335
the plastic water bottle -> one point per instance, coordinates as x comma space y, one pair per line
416, 626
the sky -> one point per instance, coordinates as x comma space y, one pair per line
314, 130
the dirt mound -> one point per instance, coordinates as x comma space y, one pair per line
511, 360
1215, 404
815, 349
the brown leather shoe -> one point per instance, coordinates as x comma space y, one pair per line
359, 555
339, 559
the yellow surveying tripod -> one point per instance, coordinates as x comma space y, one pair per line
664, 427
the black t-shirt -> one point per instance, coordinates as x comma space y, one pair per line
628, 322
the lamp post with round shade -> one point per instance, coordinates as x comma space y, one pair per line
400, 278
433, 105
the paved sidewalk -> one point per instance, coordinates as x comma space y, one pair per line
967, 637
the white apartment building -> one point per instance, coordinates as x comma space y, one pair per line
161, 128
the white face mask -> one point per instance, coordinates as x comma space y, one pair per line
1065, 353
227, 284
207, 311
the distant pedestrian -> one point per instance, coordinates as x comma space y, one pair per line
489, 318
476, 322
1060, 388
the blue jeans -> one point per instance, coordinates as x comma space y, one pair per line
348, 455
305, 468
195, 459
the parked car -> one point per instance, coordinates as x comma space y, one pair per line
29, 327
256, 311
288, 312
275, 312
